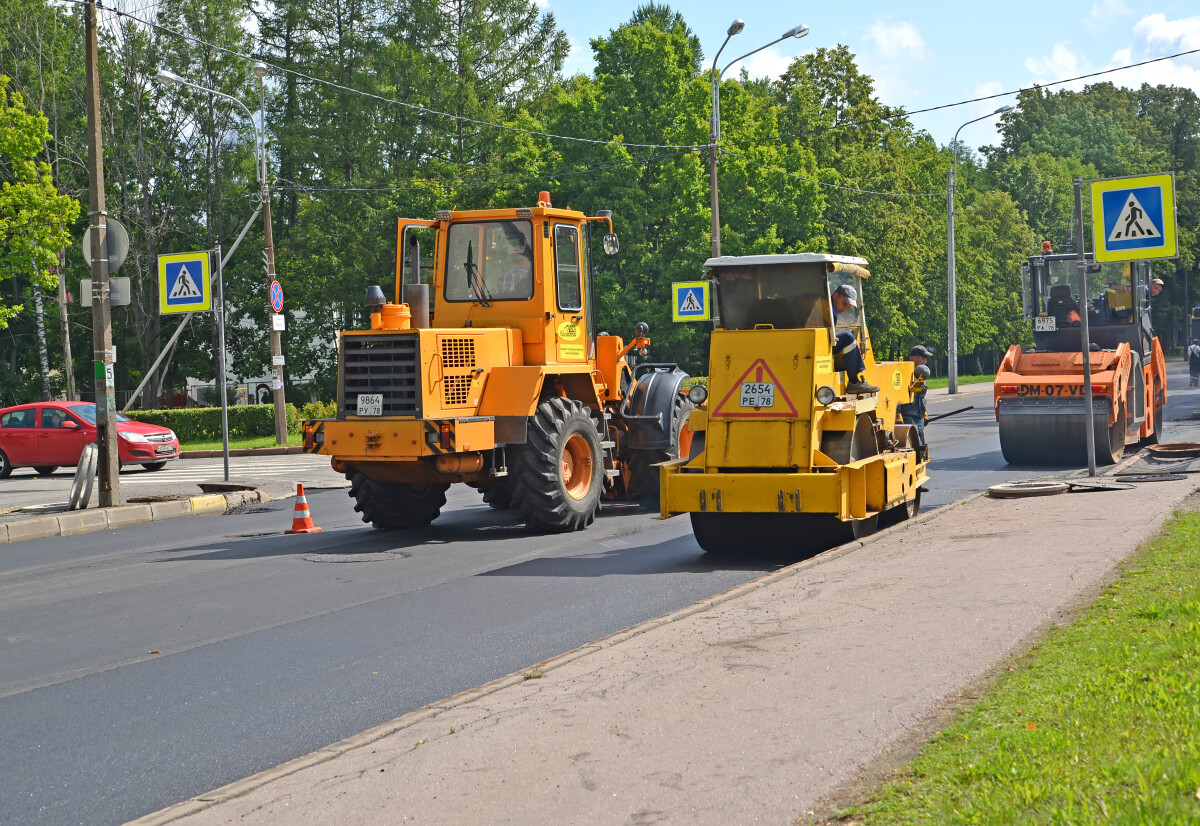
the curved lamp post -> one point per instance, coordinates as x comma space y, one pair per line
260, 152
714, 125
951, 299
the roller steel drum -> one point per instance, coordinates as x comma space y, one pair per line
1050, 432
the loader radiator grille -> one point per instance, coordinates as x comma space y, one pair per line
457, 352
386, 364
456, 390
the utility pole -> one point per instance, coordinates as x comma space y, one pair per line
102, 348
951, 296
277, 396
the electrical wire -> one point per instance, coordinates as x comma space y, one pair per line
902, 113
837, 186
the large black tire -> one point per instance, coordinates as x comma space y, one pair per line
557, 476
396, 505
498, 494
155, 465
45, 470
6, 467
642, 471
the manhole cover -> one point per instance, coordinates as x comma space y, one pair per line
1175, 450
383, 556
1153, 477
1086, 486
1016, 490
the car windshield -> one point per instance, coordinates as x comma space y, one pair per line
87, 412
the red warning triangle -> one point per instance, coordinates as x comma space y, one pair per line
758, 373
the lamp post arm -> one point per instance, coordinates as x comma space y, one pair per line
747, 54
258, 142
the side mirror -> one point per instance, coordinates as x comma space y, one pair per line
611, 245
69, 424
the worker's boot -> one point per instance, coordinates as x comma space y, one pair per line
860, 388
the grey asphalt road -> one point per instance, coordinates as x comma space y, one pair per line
142, 666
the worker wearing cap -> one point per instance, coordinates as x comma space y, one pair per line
913, 413
1156, 287
846, 345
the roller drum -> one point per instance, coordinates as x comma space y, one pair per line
1050, 432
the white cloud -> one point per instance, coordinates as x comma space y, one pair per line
1154, 36
542, 4
771, 63
1104, 13
897, 40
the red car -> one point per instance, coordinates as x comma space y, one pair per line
49, 435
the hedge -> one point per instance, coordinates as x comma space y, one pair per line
203, 424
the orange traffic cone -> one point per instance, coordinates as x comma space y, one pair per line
302, 519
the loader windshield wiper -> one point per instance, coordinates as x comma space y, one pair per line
474, 281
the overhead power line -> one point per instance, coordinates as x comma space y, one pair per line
902, 113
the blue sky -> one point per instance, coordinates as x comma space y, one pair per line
928, 54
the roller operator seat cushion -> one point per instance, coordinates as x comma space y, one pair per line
1061, 305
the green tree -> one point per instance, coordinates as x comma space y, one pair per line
34, 216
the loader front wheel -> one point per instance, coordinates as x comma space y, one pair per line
557, 477
396, 505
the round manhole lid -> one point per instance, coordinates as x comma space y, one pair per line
382, 556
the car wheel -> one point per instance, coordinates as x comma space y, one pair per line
45, 470
154, 465
5, 466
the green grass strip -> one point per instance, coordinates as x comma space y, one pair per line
944, 381
256, 441
1099, 723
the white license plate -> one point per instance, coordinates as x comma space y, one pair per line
1045, 324
370, 404
758, 394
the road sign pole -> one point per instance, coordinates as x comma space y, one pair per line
1081, 266
277, 395
102, 353
219, 309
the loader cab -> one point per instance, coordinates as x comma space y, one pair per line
526, 269
1118, 304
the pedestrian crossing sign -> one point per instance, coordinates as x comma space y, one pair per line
691, 301
183, 282
1134, 218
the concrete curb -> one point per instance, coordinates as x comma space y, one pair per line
242, 451
246, 785
70, 523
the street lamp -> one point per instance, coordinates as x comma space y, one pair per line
260, 153
951, 300
714, 125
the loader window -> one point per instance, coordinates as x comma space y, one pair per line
782, 296
566, 267
489, 261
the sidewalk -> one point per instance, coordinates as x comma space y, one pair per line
748, 707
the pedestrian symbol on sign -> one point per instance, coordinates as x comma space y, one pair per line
1133, 223
185, 287
691, 304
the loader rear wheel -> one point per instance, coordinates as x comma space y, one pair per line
557, 476
642, 470
396, 505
